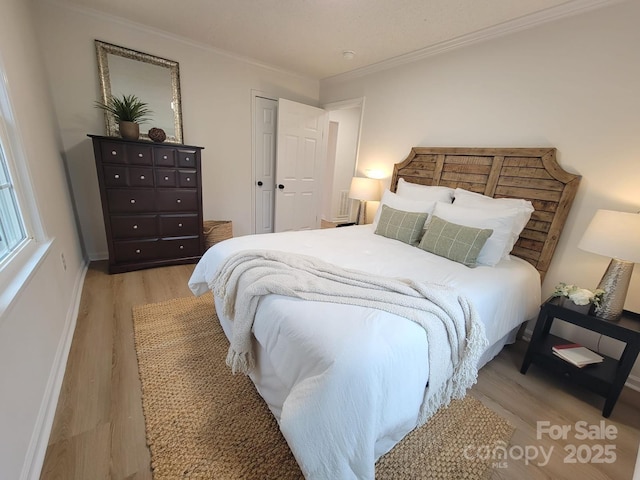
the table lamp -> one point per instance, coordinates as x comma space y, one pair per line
364, 189
615, 235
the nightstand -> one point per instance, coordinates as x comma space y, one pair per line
606, 378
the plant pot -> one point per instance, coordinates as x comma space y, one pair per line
129, 130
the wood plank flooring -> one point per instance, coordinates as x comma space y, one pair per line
99, 432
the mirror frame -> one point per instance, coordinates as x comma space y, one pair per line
102, 50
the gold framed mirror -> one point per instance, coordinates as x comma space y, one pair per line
154, 80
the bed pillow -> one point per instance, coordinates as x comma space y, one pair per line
459, 243
500, 221
476, 200
404, 226
393, 200
414, 191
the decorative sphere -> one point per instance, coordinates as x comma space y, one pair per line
157, 135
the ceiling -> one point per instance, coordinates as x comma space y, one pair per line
308, 37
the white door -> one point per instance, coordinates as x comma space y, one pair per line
299, 163
265, 119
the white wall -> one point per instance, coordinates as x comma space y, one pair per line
216, 107
36, 326
572, 84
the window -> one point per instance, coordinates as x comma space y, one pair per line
23, 242
12, 230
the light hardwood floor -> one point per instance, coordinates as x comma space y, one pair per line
98, 432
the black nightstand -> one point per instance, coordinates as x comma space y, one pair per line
606, 378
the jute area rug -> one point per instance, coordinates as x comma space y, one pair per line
202, 422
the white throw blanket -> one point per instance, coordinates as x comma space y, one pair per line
455, 336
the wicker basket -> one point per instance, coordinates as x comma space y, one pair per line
216, 231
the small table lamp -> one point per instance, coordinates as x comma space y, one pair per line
615, 235
364, 189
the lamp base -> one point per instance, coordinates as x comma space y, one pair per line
615, 283
362, 213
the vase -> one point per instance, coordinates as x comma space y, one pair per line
129, 130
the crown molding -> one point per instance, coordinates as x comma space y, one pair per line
550, 14
82, 10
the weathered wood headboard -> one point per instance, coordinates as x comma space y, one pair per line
529, 173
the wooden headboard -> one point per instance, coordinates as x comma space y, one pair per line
529, 173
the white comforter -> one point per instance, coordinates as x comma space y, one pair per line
346, 383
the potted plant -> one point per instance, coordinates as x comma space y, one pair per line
129, 111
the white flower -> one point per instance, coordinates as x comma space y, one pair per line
581, 296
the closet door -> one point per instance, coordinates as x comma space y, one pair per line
265, 119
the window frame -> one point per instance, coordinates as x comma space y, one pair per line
20, 264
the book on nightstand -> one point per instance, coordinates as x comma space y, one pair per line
576, 354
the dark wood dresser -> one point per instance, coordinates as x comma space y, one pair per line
151, 200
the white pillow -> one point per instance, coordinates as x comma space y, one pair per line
500, 221
414, 191
477, 200
405, 204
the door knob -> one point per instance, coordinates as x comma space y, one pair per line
281, 186
260, 183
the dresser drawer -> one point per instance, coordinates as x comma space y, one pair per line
116, 176
179, 225
130, 200
164, 157
132, 226
139, 155
186, 158
165, 178
135, 250
113, 152
179, 247
140, 177
177, 200
187, 178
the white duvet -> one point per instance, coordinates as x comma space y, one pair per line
345, 382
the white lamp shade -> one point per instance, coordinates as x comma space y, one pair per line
614, 235
364, 188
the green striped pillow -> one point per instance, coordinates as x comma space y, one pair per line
404, 226
459, 243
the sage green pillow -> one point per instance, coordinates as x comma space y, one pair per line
459, 243
404, 226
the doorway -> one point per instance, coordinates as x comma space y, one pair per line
303, 161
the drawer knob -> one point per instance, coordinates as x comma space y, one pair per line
187, 158
135, 227
140, 155
141, 177
113, 152
178, 201
180, 225
164, 157
166, 178
137, 250
181, 247
116, 176
133, 200
188, 179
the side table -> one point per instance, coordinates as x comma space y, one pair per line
606, 378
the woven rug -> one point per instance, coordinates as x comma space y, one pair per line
202, 422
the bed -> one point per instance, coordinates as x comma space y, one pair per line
346, 382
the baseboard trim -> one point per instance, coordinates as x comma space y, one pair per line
34, 459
